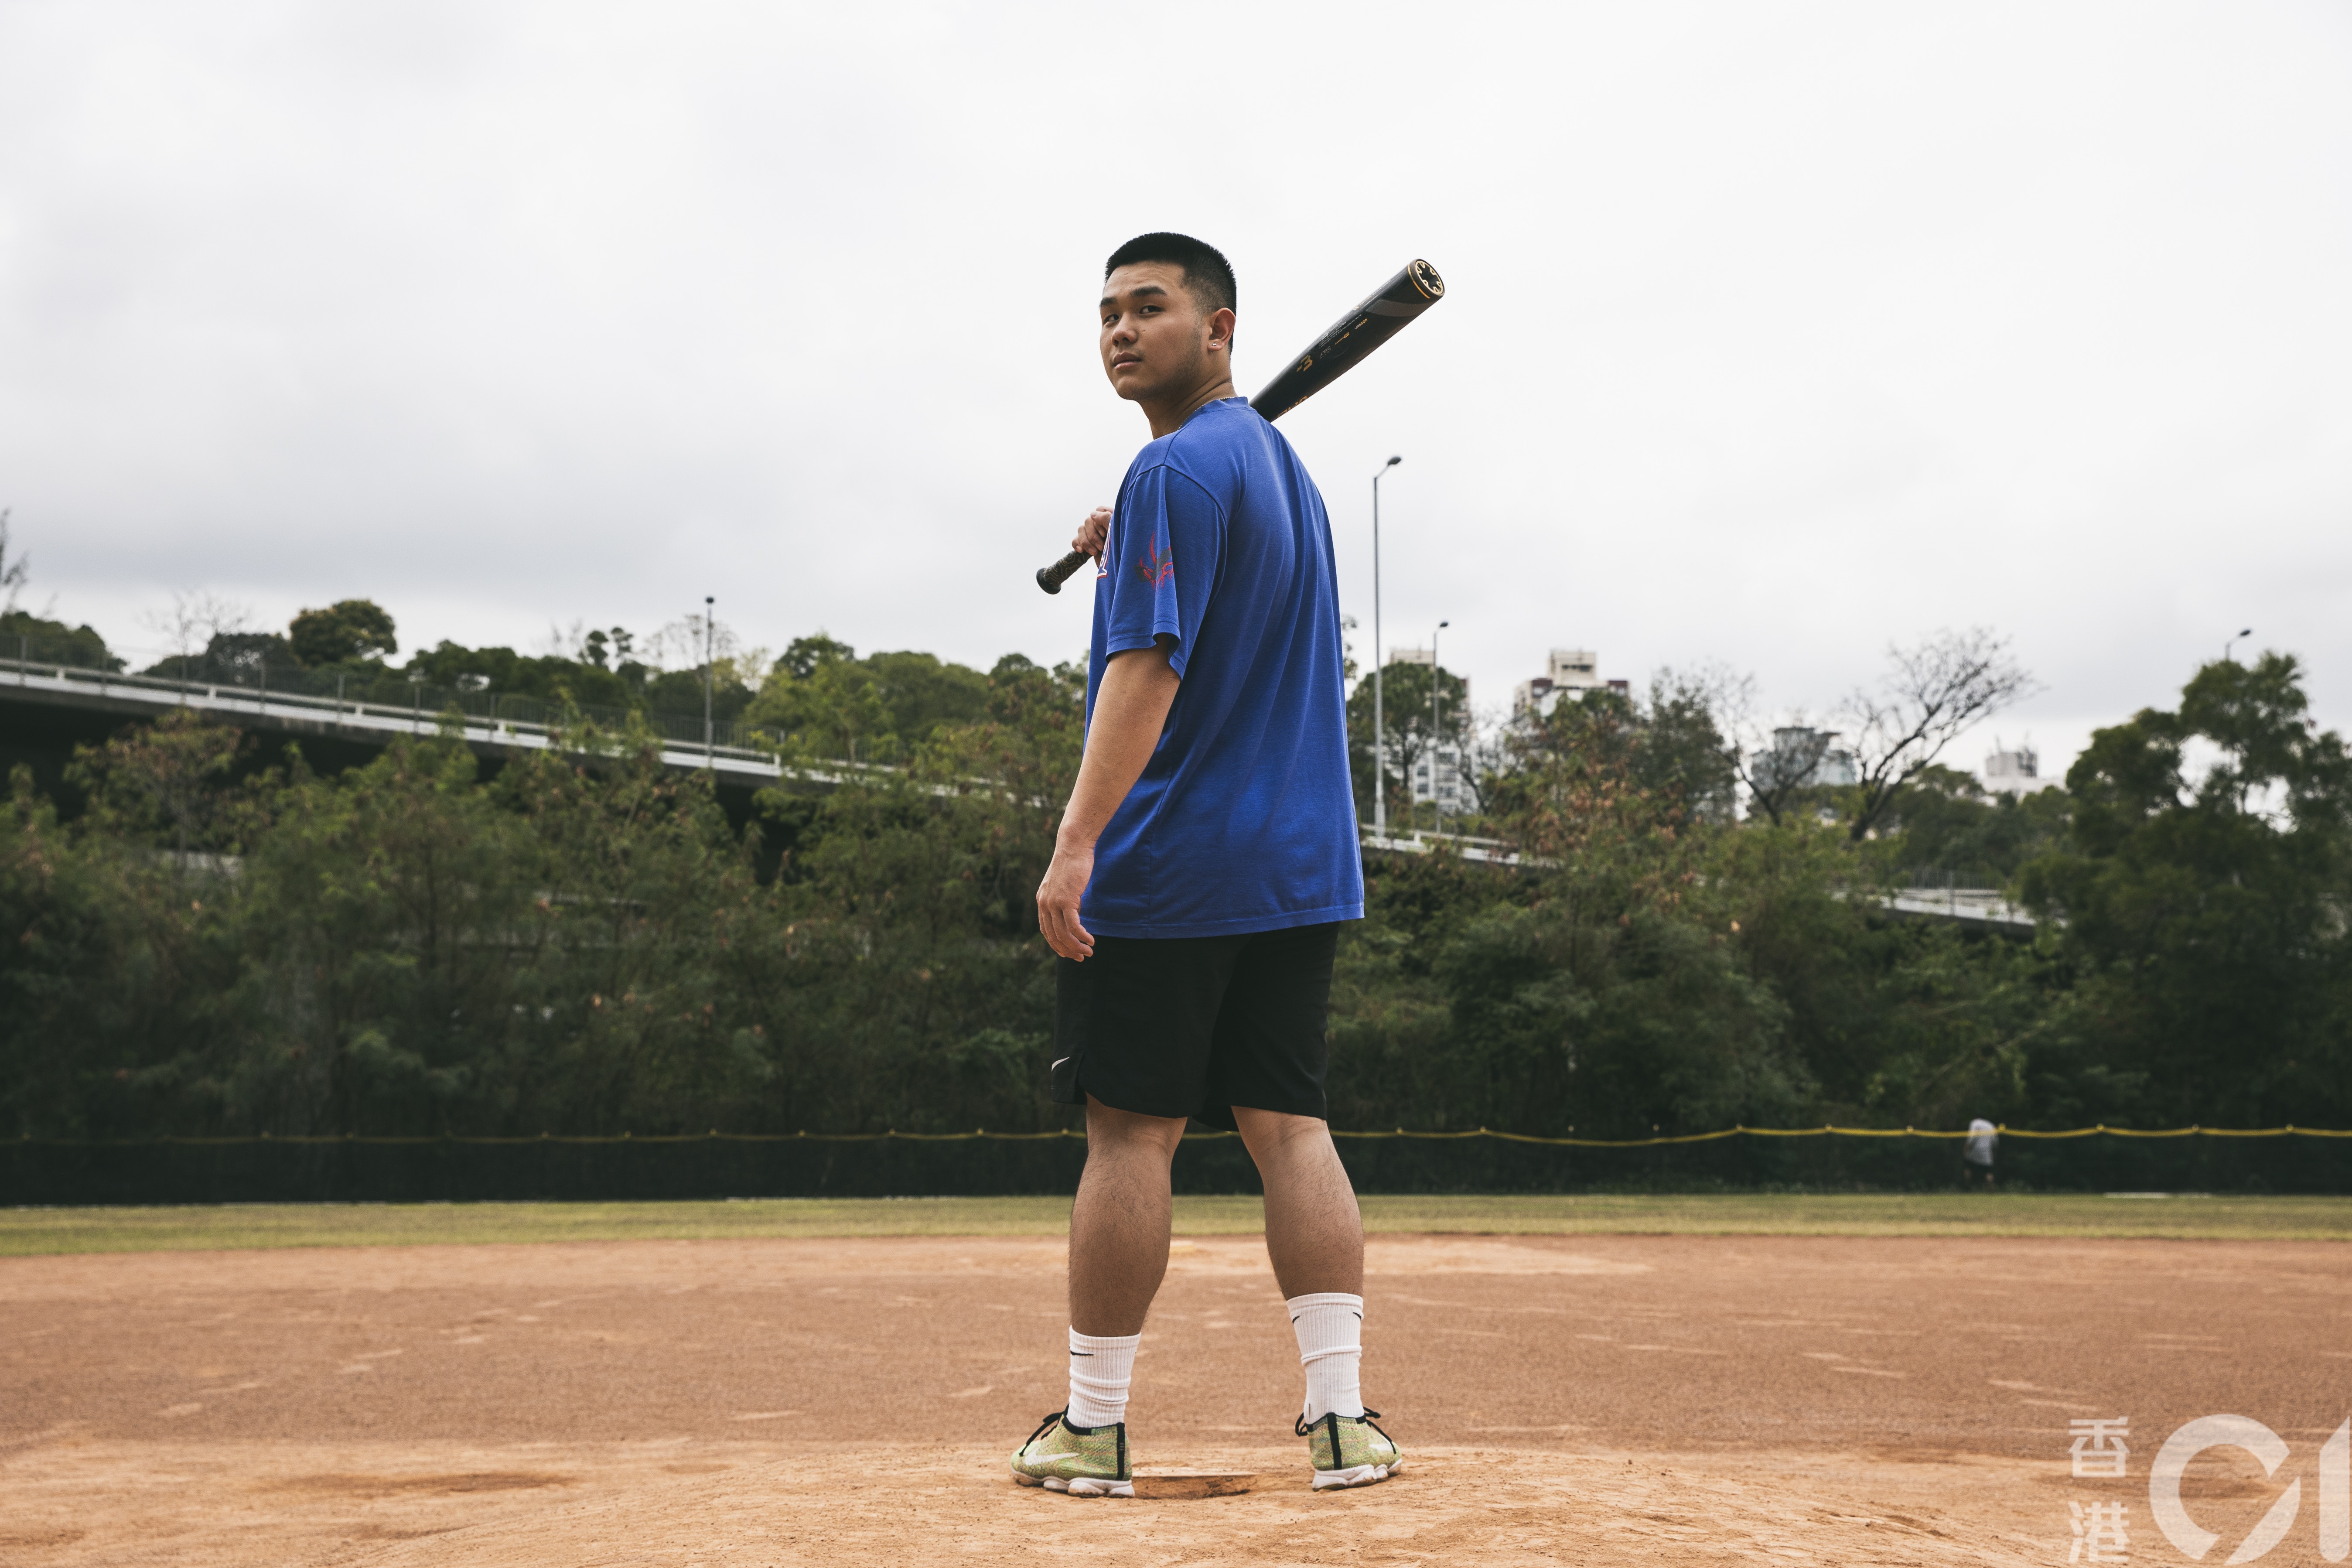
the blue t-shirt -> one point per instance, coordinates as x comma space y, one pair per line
1244, 819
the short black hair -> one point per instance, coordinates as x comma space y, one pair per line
1207, 274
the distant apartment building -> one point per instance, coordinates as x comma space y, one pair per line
2016, 773
1569, 672
1801, 758
1440, 777
1437, 775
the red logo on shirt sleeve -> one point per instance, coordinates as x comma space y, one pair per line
1158, 565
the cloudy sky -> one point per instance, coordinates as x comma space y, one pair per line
1775, 333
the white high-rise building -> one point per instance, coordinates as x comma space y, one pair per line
1573, 669
1439, 778
1804, 759
2014, 773
1570, 671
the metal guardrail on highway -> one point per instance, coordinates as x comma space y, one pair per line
1414, 841
1982, 909
1984, 906
377, 719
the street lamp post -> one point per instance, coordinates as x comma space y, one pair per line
2227, 643
709, 751
1436, 742
1380, 731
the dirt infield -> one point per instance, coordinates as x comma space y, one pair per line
1589, 1399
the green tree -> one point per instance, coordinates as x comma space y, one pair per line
681, 691
2204, 910
608, 650
924, 693
656, 979
349, 631
1942, 821
802, 655
1585, 990
239, 658
103, 964
1668, 748
1892, 1022
826, 702
1682, 754
167, 783
550, 678
28, 636
918, 924
1410, 727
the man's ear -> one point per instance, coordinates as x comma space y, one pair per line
1220, 330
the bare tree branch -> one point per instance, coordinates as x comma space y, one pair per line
1932, 693
12, 573
1771, 758
196, 618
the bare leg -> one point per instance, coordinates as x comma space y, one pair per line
1313, 1231
1119, 1227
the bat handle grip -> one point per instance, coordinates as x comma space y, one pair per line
1051, 578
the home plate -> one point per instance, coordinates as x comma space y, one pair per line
1191, 1483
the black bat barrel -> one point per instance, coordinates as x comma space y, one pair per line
1413, 290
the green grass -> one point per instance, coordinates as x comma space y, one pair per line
29, 1232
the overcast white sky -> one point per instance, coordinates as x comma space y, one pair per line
1774, 333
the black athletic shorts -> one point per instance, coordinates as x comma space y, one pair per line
1194, 1026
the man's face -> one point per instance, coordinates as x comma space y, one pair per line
1156, 338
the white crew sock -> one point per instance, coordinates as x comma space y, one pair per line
1101, 1366
1331, 1330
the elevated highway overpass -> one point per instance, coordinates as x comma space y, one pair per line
85, 704
47, 708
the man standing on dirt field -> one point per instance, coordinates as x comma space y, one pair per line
1207, 856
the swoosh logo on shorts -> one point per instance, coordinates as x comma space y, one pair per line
1058, 1063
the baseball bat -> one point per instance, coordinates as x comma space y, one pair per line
1414, 288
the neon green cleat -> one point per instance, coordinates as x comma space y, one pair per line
1084, 1461
1349, 1451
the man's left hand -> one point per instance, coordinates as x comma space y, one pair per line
1057, 902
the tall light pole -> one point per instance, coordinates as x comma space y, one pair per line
1436, 706
1380, 731
2225, 646
709, 751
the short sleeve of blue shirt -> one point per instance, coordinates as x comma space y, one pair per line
1244, 819
1169, 555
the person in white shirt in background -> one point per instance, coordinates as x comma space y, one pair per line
1975, 1153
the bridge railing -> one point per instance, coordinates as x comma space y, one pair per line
376, 701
